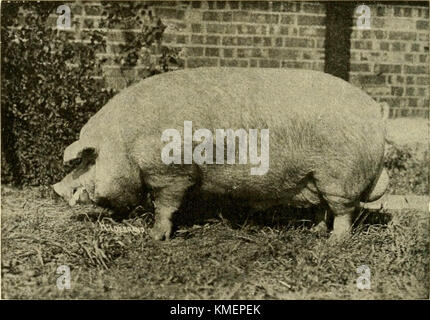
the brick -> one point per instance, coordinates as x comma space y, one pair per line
377, 23
384, 46
409, 57
362, 45
279, 42
422, 92
234, 5
380, 34
312, 32
314, 55
410, 80
212, 52
415, 47
267, 42
227, 16
313, 8
169, 13
182, 39
283, 54
211, 16
241, 16
397, 12
412, 102
212, 40
229, 41
197, 39
423, 37
256, 53
196, 28
196, 4
407, 12
424, 58
410, 91
422, 24
320, 43
202, 62
76, 9
423, 81
243, 53
231, 63
264, 18
194, 51
396, 91
299, 42
284, 30
255, 5
310, 20
246, 29
168, 38
291, 7
359, 67
228, 53
380, 11
269, 63
287, 19
220, 4
215, 28
415, 69
400, 79
296, 64
387, 68
397, 46
277, 6
372, 79
402, 35
244, 41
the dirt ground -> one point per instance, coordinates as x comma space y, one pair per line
272, 257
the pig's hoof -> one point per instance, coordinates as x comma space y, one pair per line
320, 228
161, 231
338, 237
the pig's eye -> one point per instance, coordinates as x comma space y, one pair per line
75, 162
74, 190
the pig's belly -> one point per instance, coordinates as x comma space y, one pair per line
261, 192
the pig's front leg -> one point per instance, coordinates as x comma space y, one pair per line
167, 201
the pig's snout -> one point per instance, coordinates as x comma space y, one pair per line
73, 195
63, 191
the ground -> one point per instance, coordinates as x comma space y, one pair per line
217, 258
274, 255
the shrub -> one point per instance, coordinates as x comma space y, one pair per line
408, 172
52, 83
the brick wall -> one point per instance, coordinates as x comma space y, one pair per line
389, 61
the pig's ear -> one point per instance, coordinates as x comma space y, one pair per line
77, 150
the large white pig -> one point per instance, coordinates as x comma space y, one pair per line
325, 145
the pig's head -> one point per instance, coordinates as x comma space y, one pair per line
79, 185
103, 176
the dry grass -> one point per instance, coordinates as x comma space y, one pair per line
258, 257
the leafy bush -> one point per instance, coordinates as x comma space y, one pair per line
52, 82
51, 85
408, 172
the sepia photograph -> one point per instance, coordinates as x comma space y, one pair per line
215, 150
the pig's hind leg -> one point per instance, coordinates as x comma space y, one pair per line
343, 212
340, 204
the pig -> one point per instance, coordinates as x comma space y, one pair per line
326, 144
